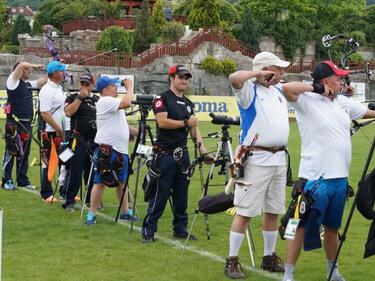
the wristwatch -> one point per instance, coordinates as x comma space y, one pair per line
186, 123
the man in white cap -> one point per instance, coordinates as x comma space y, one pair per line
263, 111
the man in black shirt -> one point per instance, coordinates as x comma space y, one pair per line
80, 107
20, 106
175, 118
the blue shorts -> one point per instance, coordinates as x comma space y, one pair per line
122, 172
329, 199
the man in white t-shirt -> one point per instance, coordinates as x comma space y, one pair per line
113, 138
263, 111
324, 120
51, 101
19, 115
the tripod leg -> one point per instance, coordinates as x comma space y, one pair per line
190, 230
87, 189
250, 244
136, 189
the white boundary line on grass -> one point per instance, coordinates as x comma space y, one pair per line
181, 246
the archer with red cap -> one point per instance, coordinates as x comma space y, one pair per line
323, 119
175, 118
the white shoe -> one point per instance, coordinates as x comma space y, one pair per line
29, 186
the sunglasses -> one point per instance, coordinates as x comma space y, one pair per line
85, 84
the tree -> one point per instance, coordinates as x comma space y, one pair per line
4, 26
115, 37
144, 34
290, 22
204, 14
248, 31
228, 14
157, 18
20, 26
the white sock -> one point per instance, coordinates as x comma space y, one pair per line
289, 272
235, 240
269, 238
336, 269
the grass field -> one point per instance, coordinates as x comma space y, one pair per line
43, 242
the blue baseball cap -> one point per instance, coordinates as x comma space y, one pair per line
104, 81
54, 66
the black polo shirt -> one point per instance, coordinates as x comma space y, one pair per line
84, 120
178, 108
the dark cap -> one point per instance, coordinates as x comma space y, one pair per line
326, 69
87, 77
179, 69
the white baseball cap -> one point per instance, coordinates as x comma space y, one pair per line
265, 59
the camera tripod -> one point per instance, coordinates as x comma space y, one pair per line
140, 152
223, 158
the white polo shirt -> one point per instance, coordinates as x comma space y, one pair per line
324, 126
52, 99
268, 117
111, 124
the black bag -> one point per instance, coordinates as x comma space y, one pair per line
212, 204
13, 142
150, 182
106, 167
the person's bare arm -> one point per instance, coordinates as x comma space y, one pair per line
48, 118
72, 108
17, 73
292, 90
126, 101
170, 124
238, 78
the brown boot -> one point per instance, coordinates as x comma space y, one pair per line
272, 263
233, 268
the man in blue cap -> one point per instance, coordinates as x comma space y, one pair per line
113, 138
52, 99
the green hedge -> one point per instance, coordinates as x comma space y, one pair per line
218, 67
12, 49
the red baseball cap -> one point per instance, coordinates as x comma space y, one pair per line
326, 69
179, 69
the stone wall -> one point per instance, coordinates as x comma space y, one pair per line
269, 44
80, 40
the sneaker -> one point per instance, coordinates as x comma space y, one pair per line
9, 185
50, 199
90, 219
233, 268
272, 263
148, 239
71, 207
29, 186
128, 217
185, 235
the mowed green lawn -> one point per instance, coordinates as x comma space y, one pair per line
43, 242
